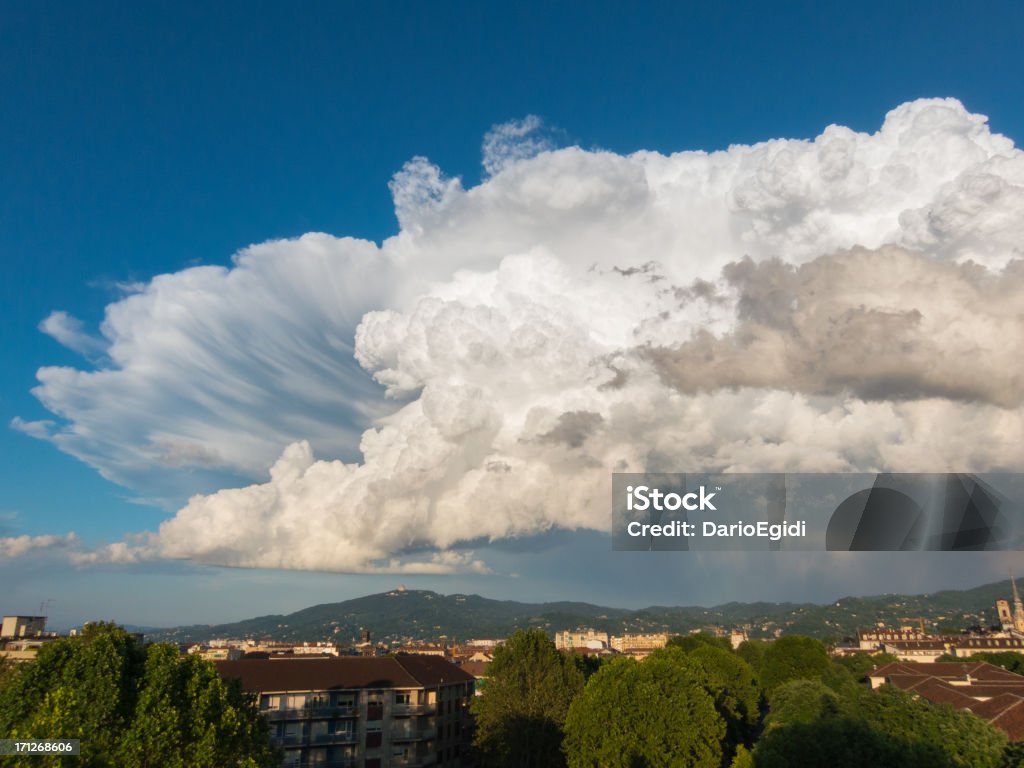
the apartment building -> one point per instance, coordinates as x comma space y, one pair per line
18, 627
568, 640
362, 712
639, 643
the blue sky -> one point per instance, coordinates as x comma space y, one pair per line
143, 140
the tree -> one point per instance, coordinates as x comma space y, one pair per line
860, 664
689, 643
133, 707
840, 742
81, 688
800, 701
1009, 660
742, 759
7, 671
645, 714
752, 652
520, 714
965, 740
186, 717
732, 685
587, 664
793, 658
809, 725
1013, 756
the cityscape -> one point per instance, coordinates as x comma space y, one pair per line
511, 385
366, 702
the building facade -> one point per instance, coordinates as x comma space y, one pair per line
362, 712
17, 627
582, 638
633, 643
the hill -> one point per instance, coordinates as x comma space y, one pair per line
423, 615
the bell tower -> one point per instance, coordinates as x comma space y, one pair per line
1018, 607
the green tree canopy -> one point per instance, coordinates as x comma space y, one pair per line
587, 664
646, 714
132, 707
793, 657
860, 664
965, 740
1010, 660
689, 643
800, 701
8, 669
733, 686
742, 759
520, 714
840, 742
752, 652
810, 725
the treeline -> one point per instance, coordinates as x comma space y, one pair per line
131, 706
699, 703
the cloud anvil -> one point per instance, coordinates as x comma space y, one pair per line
825, 305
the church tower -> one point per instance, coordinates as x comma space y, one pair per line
1018, 607
1005, 615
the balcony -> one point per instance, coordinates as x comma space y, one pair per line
319, 739
405, 710
342, 737
413, 734
415, 761
309, 713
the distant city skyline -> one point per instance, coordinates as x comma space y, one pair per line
300, 307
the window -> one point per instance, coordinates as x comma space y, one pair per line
341, 727
403, 698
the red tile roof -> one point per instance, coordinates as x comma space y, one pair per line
990, 692
980, 671
475, 668
997, 705
1011, 721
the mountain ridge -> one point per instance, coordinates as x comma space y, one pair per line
401, 615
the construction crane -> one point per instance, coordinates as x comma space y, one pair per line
918, 619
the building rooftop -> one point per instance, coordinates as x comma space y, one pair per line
343, 673
979, 671
992, 693
475, 668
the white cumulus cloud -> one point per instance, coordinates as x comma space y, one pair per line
508, 143
18, 546
850, 302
